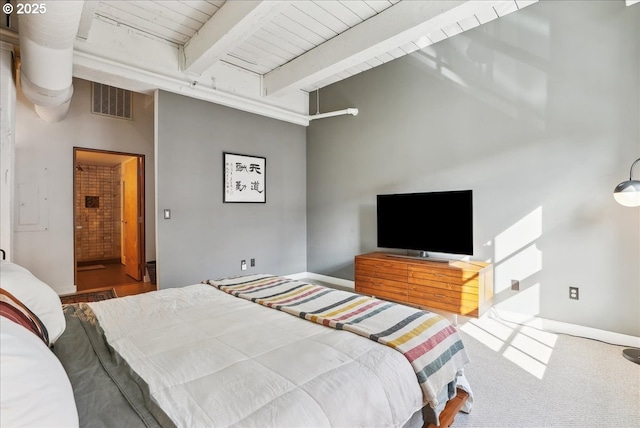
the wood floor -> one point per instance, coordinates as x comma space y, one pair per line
111, 276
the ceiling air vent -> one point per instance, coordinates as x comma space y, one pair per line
110, 101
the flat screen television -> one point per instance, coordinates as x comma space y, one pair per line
434, 221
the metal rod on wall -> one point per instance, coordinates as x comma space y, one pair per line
351, 111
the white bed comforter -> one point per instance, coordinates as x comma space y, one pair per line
212, 359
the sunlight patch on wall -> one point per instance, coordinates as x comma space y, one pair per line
503, 65
519, 235
516, 255
525, 301
519, 267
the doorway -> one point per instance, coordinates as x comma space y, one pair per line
108, 189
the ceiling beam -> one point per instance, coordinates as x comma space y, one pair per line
403, 22
86, 19
122, 57
96, 69
234, 23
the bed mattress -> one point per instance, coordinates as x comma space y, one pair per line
211, 359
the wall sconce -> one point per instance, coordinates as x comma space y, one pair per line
627, 193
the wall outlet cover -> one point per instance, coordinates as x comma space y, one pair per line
574, 293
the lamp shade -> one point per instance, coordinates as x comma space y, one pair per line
628, 193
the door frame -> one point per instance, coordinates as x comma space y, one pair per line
141, 206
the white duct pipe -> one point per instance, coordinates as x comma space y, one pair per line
351, 111
46, 53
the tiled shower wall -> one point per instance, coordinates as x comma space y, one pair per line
98, 229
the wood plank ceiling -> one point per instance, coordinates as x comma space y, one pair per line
263, 57
294, 30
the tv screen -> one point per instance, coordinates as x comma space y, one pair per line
434, 221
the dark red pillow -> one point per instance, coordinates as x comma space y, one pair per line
13, 309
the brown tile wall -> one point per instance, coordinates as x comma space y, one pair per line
99, 237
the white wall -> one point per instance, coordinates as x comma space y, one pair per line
44, 157
538, 113
7, 146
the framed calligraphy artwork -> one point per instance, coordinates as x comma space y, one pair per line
244, 178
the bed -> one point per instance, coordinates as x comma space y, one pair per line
255, 350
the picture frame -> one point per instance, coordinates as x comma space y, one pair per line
244, 178
92, 202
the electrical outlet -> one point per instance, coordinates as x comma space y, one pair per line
515, 285
253, 262
243, 265
574, 293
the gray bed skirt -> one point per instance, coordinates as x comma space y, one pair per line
107, 392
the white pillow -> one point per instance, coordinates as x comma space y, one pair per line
41, 299
34, 388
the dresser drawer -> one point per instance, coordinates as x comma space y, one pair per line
380, 283
441, 294
418, 285
382, 263
426, 275
468, 311
381, 269
464, 304
389, 274
390, 293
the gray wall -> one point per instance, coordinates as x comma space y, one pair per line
206, 238
538, 113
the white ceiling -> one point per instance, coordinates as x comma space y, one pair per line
261, 56
271, 34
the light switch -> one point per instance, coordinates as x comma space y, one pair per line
167, 214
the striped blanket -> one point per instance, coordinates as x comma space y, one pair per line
429, 342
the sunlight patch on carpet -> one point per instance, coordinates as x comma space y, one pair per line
527, 347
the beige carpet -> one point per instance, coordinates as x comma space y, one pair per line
523, 377
526, 378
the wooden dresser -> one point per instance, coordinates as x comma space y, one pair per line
464, 288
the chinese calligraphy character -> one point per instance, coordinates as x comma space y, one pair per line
240, 166
255, 185
239, 186
254, 167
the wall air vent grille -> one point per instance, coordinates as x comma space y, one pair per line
110, 101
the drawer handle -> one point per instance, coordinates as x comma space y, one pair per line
438, 274
440, 295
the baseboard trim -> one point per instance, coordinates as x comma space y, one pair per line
565, 328
514, 317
